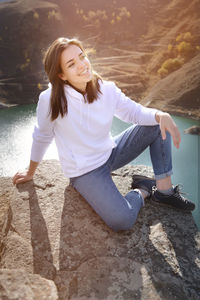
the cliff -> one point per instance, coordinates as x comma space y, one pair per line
54, 245
179, 91
26, 29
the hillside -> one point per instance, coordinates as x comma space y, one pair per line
130, 41
178, 92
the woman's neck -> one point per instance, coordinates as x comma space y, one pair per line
78, 90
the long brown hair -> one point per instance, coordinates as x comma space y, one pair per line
52, 68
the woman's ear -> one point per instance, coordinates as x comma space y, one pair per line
62, 76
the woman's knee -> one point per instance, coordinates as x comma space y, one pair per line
158, 135
157, 130
150, 132
126, 216
122, 221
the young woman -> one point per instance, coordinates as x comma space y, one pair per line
77, 110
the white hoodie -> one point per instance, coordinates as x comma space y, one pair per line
83, 136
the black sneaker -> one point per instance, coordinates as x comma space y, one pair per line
143, 182
175, 200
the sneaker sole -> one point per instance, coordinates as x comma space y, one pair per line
170, 206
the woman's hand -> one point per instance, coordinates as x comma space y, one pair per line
27, 175
21, 177
167, 124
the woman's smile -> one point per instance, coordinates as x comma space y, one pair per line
86, 71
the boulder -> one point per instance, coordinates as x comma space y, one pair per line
193, 130
54, 233
20, 285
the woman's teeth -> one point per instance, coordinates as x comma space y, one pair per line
85, 71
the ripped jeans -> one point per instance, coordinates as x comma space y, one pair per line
97, 187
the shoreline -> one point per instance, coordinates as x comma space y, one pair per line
180, 112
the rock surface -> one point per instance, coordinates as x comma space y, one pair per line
54, 233
6, 192
20, 285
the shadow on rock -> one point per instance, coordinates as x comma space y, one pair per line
42, 254
173, 251
158, 259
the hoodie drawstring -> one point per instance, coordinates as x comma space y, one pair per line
86, 122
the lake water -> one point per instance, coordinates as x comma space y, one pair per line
16, 126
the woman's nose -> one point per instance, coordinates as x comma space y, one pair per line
81, 65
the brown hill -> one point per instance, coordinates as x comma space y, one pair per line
180, 91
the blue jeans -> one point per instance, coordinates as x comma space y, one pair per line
97, 187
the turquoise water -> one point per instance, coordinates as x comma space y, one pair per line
16, 126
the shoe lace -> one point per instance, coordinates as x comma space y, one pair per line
154, 188
179, 194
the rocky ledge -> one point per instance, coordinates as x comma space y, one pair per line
54, 246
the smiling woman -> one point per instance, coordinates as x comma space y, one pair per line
77, 111
66, 62
76, 67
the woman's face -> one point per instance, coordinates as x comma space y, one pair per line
76, 67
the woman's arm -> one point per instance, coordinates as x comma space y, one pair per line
26, 175
43, 133
132, 112
42, 137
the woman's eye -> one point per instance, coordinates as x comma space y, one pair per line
71, 65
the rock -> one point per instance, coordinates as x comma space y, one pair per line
6, 190
54, 233
193, 130
19, 285
5, 105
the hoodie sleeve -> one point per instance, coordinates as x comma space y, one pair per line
43, 133
132, 112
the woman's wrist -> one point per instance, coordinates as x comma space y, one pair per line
32, 168
30, 173
159, 114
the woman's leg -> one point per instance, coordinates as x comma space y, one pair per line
97, 187
161, 158
133, 141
